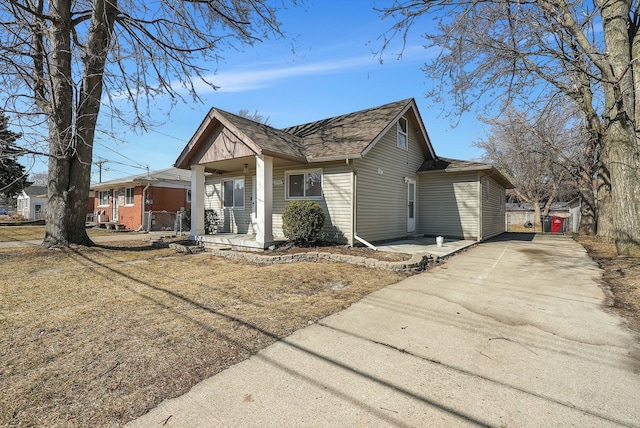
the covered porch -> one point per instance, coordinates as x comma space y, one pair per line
239, 156
247, 215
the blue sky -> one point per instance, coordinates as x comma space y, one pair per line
332, 71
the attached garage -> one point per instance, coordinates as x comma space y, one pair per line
461, 199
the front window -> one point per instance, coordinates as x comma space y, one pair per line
103, 198
189, 196
128, 196
233, 193
402, 133
304, 185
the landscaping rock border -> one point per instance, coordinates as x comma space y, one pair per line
190, 248
418, 262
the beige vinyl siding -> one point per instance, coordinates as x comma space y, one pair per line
492, 209
381, 206
449, 204
336, 200
236, 220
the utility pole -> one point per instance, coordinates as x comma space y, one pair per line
100, 163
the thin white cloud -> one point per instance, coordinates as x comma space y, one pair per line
240, 80
248, 79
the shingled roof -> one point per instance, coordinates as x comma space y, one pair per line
341, 137
348, 135
169, 175
270, 140
36, 191
456, 165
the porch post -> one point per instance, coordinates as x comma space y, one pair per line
197, 201
264, 200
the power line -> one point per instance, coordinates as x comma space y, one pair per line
139, 165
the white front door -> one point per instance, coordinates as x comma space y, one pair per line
114, 211
411, 206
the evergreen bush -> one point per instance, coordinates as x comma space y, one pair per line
302, 221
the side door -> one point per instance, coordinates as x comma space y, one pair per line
411, 206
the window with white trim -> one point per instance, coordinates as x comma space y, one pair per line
304, 184
233, 193
128, 196
402, 133
103, 198
188, 196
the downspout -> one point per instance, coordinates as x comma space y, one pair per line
480, 205
368, 244
354, 182
353, 205
144, 203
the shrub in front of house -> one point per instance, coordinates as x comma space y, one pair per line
302, 221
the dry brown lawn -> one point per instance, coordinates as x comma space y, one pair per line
98, 336
621, 278
30, 233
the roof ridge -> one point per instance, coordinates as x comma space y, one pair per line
365, 110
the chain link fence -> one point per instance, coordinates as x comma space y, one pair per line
156, 221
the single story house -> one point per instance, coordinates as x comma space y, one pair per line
374, 172
31, 202
126, 200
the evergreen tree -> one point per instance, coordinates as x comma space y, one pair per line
12, 175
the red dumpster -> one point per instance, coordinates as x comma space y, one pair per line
557, 224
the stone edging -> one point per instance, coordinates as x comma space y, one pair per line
417, 262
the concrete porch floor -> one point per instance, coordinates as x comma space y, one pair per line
230, 239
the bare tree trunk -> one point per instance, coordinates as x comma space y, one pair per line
588, 209
62, 222
622, 152
537, 214
604, 213
70, 169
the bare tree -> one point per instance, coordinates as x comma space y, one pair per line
255, 116
534, 152
61, 61
39, 178
543, 154
585, 51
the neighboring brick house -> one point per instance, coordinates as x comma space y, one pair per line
125, 200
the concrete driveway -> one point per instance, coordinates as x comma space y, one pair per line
509, 333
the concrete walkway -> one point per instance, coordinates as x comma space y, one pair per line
509, 333
426, 245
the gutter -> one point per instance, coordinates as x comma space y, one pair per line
334, 158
